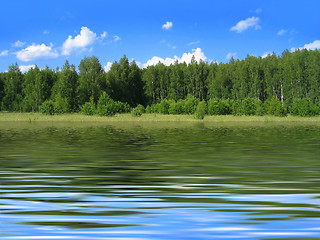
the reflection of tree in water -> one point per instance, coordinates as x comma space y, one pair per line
111, 155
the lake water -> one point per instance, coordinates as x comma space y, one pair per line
159, 181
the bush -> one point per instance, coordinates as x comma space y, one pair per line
106, 106
122, 107
248, 107
137, 111
149, 109
191, 104
236, 107
176, 107
304, 108
163, 107
47, 107
219, 107
275, 107
201, 110
61, 105
89, 108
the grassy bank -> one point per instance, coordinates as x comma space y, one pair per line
75, 117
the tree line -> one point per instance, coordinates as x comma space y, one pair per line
275, 85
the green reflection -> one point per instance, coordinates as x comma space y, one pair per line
169, 164
80, 225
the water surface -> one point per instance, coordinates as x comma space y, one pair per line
159, 181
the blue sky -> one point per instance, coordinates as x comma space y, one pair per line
49, 32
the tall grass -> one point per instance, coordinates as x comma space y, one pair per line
123, 117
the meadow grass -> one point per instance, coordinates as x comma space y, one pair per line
126, 117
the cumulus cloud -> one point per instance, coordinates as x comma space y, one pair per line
230, 55
4, 53
25, 68
19, 44
107, 67
243, 25
45, 32
312, 46
79, 42
34, 52
309, 46
167, 25
186, 57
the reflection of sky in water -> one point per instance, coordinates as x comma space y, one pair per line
160, 218
127, 191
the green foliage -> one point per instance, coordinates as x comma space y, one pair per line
125, 82
13, 89
106, 106
61, 105
252, 86
163, 107
138, 111
201, 110
236, 107
275, 107
191, 104
248, 106
66, 85
47, 107
304, 108
122, 107
91, 79
177, 107
219, 106
151, 109
89, 108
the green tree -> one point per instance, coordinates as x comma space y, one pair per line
91, 80
125, 82
66, 86
201, 110
2, 76
13, 89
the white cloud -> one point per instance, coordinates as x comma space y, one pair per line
79, 42
25, 68
230, 55
266, 54
193, 43
245, 24
107, 67
167, 25
4, 53
282, 32
171, 46
45, 32
19, 44
186, 57
34, 52
103, 35
258, 10
309, 46
312, 46
116, 38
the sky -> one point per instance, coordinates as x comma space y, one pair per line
47, 33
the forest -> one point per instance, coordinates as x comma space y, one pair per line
274, 85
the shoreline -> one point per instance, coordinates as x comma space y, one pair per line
127, 117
